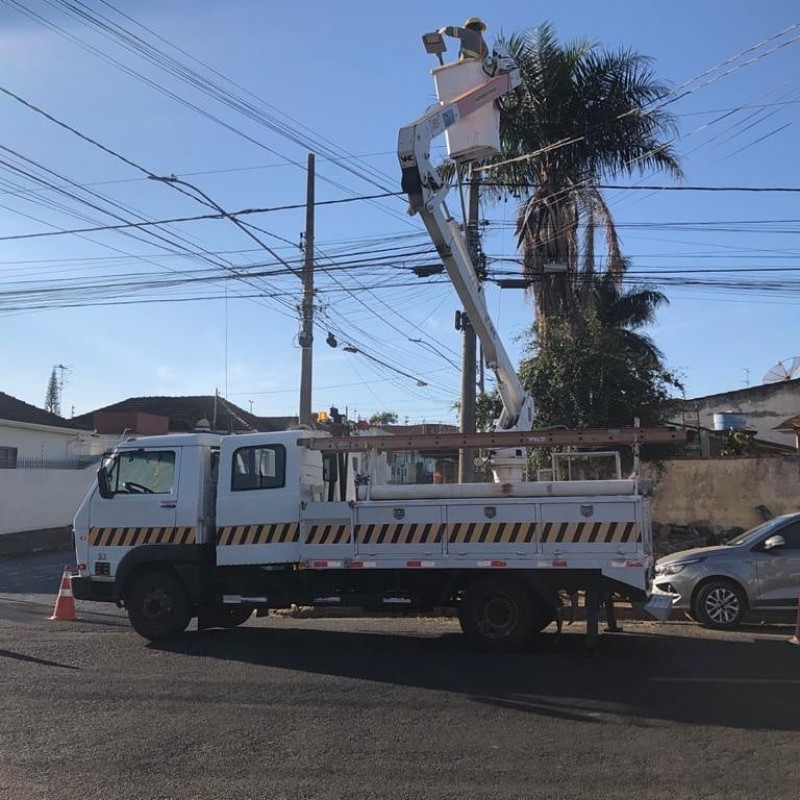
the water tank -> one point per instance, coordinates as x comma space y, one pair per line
478, 134
730, 421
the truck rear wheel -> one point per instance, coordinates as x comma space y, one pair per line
157, 605
497, 615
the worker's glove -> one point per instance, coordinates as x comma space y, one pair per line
442, 31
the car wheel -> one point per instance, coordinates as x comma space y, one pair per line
719, 604
497, 615
158, 607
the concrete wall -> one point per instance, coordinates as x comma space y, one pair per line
764, 407
34, 499
726, 491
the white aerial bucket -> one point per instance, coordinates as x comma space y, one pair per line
478, 134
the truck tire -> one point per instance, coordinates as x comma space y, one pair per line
719, 604
232, 616
497, 615
158, 607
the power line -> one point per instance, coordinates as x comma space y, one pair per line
642, 188
175, 220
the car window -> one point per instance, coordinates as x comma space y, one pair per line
791, 535
764, 529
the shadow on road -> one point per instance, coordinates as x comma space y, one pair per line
646, 676
30, 659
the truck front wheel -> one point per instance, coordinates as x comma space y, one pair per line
157, 605
497, 615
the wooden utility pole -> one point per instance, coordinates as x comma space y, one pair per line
466, 457
307, 308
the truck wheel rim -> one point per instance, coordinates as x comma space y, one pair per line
722, 606
157, 605
498, 616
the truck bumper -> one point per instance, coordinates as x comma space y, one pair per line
88, 589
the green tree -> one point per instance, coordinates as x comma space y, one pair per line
52, 400
602, 371
488, 407
581, 115
384, 418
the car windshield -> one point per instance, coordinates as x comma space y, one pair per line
754, 533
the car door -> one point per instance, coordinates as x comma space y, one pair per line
778, 569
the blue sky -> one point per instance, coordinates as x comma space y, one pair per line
349, 75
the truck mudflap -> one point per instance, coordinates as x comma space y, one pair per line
88, 589
659, 606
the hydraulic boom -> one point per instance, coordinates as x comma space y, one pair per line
426, 194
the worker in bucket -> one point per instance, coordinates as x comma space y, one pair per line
471, 36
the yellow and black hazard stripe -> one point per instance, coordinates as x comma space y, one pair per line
588, 532
132, 537
392, 533
333, 533
491, 532
274, 533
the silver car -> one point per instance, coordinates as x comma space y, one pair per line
757, 571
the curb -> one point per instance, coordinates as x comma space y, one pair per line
30, 542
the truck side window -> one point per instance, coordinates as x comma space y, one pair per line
261, 467
142, 472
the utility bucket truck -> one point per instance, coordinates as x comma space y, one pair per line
218, 527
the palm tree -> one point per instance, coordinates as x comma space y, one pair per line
583, 114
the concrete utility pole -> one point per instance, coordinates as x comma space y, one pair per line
466, 457
307, 308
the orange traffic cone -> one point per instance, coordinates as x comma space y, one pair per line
65, 602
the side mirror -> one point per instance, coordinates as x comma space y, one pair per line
103, 485
774, 541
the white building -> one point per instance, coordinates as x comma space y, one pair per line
46, 467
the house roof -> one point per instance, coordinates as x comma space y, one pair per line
184, 413
789, 425
18, 411
763, 391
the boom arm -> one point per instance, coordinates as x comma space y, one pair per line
426, 193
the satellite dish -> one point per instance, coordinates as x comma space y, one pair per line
784, 370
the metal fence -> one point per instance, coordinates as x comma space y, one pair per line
78, 462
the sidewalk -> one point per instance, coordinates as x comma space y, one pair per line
26, 542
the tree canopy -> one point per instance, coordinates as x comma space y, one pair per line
383, 418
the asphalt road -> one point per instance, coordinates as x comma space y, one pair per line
376, 708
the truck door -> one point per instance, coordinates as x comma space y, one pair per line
778, 569
141, 509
